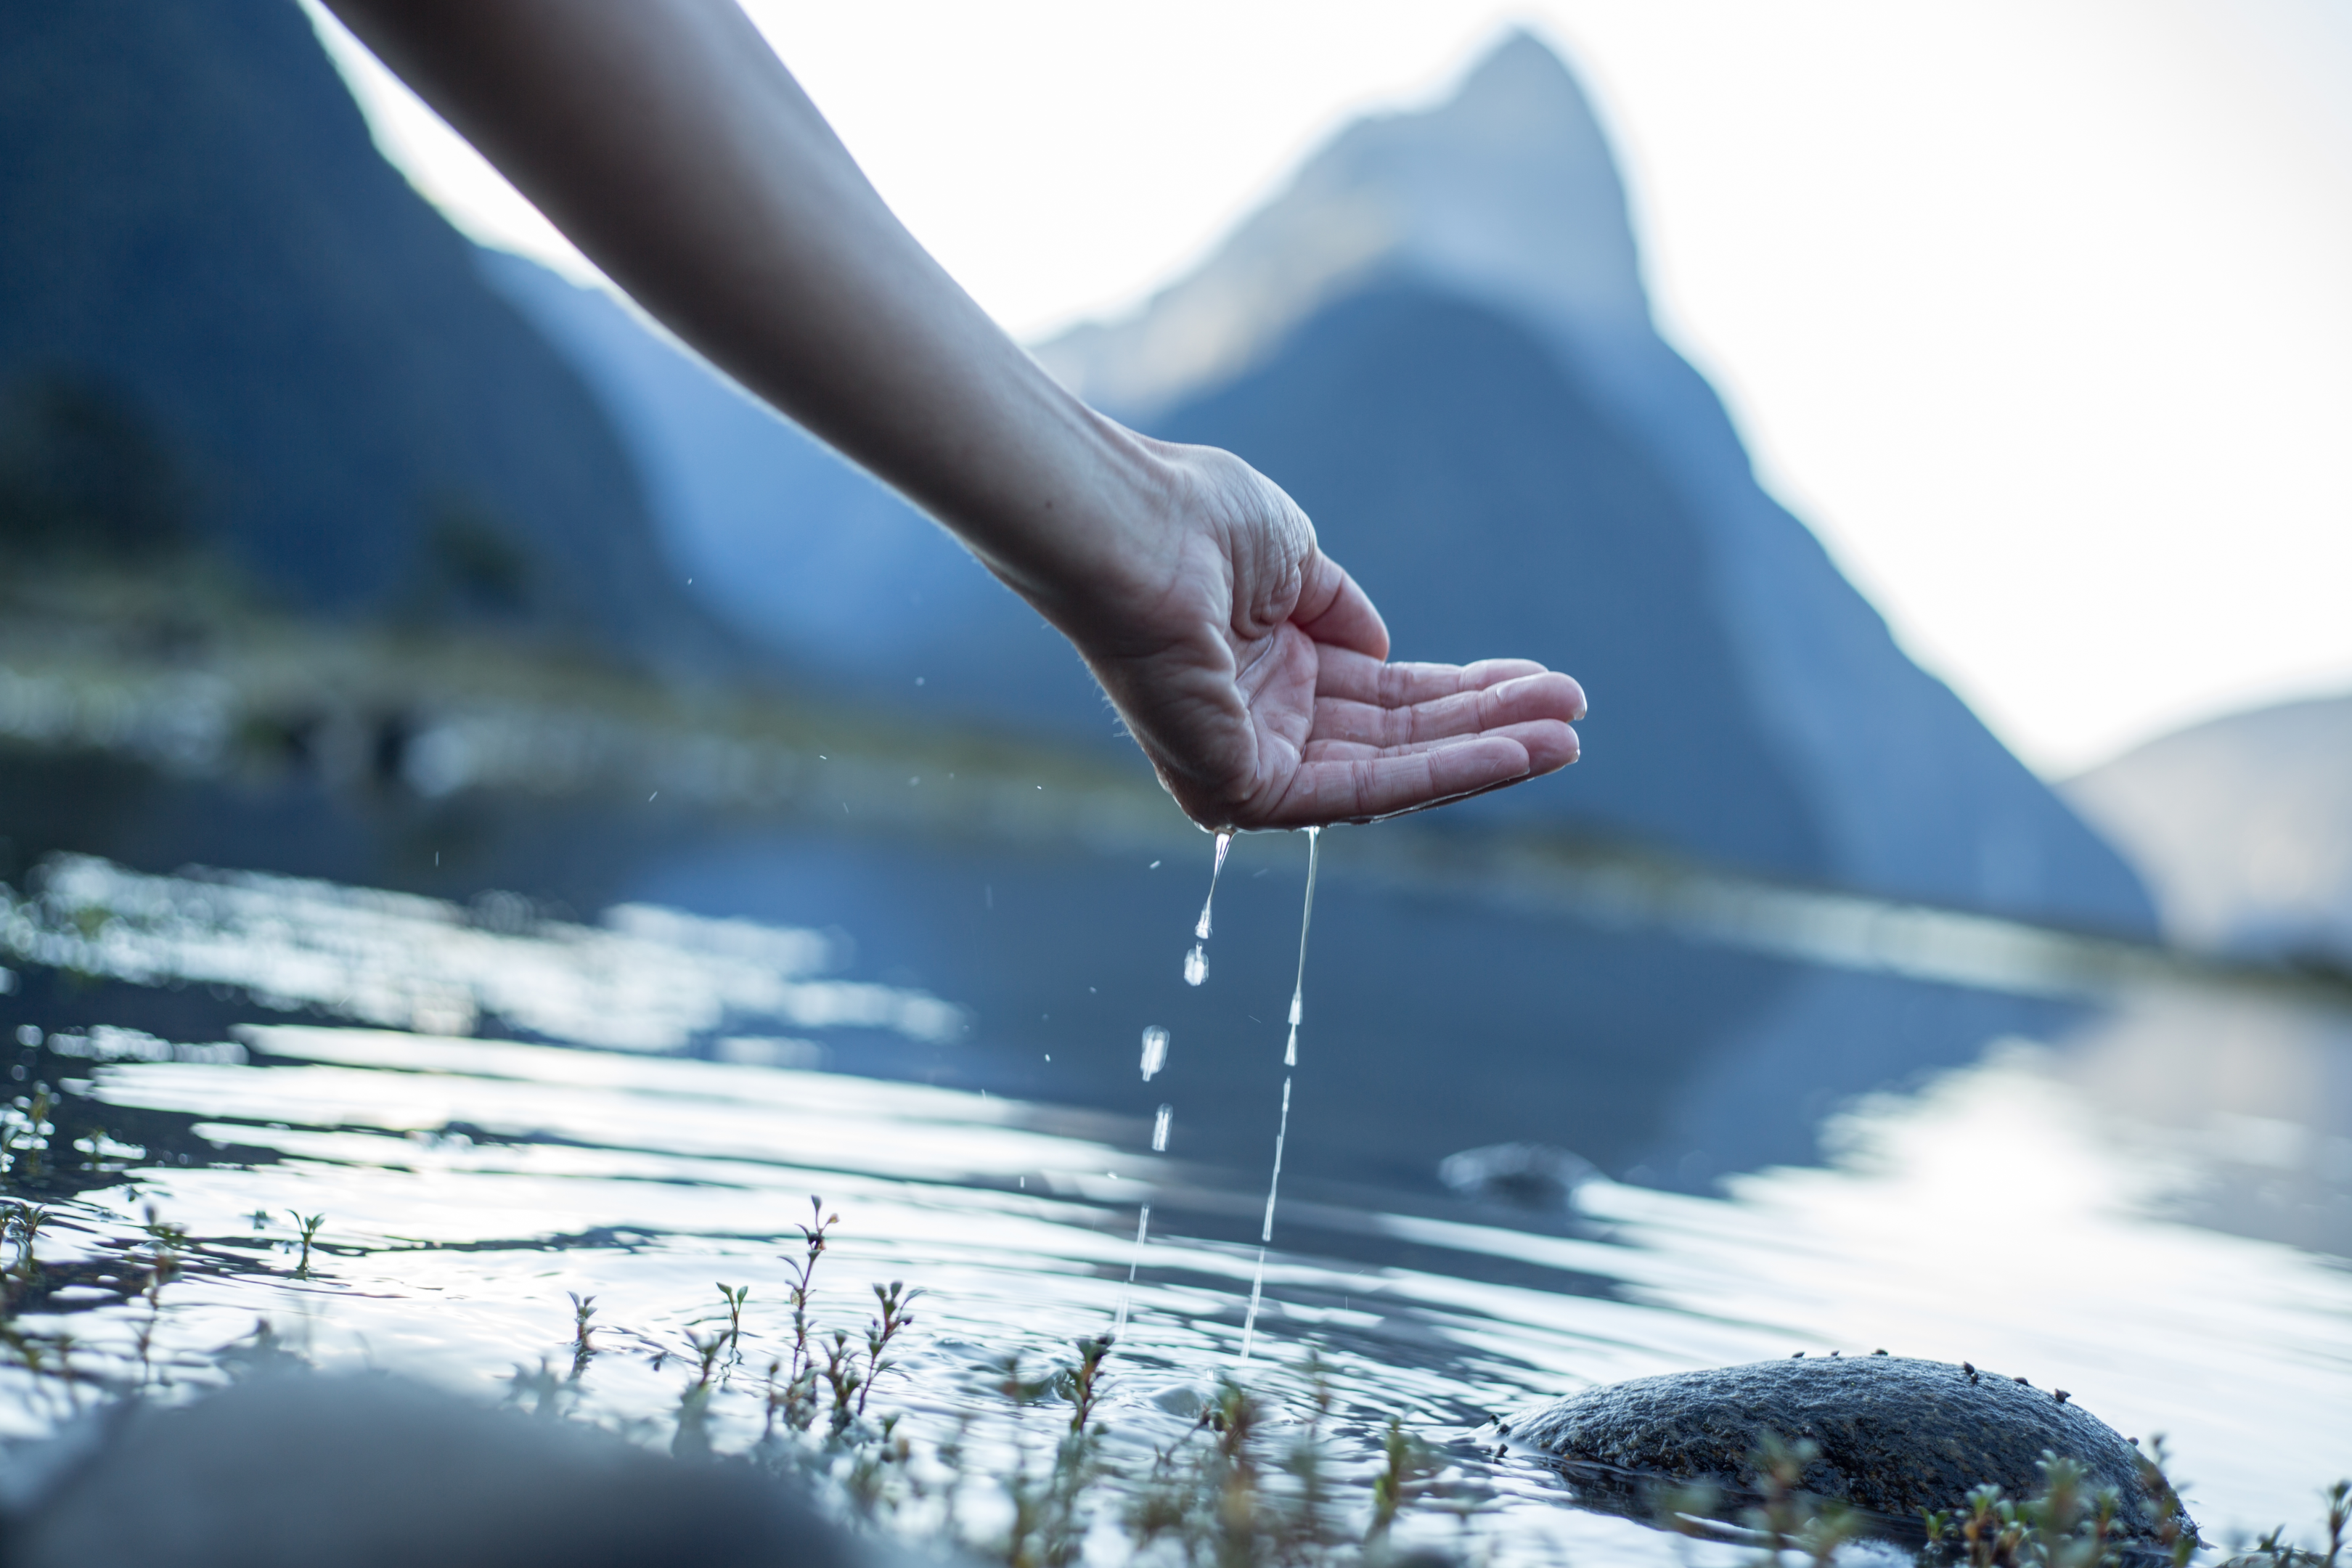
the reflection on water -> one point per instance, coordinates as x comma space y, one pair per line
647, 979
1567, 1123
2019, 1212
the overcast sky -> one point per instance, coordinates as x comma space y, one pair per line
2037, 311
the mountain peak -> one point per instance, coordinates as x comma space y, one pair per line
1506, 193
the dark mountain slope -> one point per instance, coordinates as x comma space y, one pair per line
209, 274
1450, 459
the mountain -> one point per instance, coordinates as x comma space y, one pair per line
1437, 339
2242, 827
229, 326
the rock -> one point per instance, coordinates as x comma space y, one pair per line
1517, 1176
292, 1470
1896, 1436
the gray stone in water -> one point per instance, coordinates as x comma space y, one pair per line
1519, 1175
295, 1471
1896, 1435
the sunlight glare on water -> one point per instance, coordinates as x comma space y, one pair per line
638, 1180
468, 1185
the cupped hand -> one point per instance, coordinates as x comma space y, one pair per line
1255, 673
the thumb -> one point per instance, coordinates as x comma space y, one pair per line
1332, 609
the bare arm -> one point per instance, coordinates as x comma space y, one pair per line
667, 140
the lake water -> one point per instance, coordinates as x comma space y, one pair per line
627, 1085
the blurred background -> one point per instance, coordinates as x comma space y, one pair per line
1921, 431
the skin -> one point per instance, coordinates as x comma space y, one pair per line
667, 140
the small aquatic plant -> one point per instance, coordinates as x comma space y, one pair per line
893, 1319
309, 1225
24, 1226
583, 1332
24, 1132
1047, 1464
2066, 1524
735, 1295
803, 1269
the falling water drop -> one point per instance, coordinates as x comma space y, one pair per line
1160, 1129
1257, 1289
1196, 962
1282, 1127
1216, 868
1306, 919
1155, 1051
1265, 1231
1281, 1133
1142, 1225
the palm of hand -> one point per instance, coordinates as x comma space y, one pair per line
1255, 677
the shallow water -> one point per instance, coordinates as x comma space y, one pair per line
2056, 1209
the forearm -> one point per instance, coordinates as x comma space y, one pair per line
670, 145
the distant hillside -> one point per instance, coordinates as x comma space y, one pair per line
227, 326
1437, 339
2242, 827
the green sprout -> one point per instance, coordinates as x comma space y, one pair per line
309, 1225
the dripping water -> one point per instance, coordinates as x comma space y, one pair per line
1298, 986
1196, 962
1282, 1127
1160, 1129
1155, 1051
1142, 1224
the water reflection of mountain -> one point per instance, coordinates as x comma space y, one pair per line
1437, 338
1433, 1023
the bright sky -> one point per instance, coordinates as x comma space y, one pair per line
2040, 313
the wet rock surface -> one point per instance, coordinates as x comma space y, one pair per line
1896, 1435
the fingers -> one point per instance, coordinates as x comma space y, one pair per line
1338, 615
1549, 744
1523, 698
1393, 738
1354, 677
1358, 789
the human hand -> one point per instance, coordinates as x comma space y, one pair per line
1248, 666
1253, 671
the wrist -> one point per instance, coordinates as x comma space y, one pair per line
1099, 537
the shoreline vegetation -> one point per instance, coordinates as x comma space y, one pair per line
1041, 1465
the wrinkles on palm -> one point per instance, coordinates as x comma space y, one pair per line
1296, 728
1364, 738
1255, 673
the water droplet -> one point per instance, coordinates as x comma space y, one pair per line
1281, 1133
1167, 1114
1155, 1051
1282, 1127
1142, 1225
1196, 962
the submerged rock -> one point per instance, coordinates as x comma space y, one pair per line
294, 1471
1895, 1437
